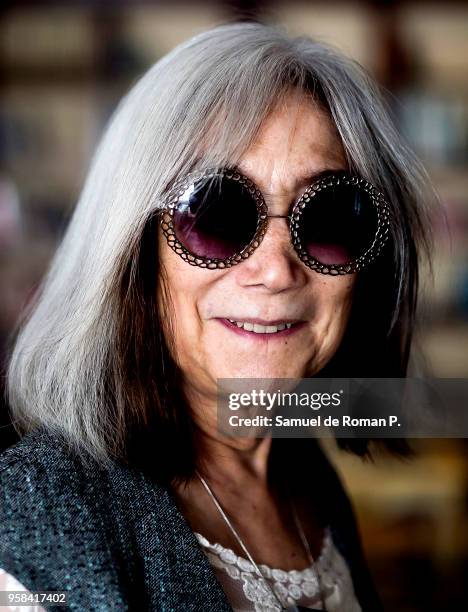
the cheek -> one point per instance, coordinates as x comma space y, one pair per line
177, 298
336, 302
180, 321
182, 294
344, 297
335, 307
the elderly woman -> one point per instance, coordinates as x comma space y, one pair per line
250, 213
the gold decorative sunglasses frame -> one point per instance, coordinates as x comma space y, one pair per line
171, 202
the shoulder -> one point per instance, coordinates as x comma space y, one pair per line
69, 524
45, 494
345, 534
43, 474
40, 466
32, 447
45, 485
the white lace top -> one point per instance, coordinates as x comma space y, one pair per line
247, 592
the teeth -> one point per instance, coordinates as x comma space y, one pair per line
261, 329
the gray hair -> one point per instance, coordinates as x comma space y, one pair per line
200, 105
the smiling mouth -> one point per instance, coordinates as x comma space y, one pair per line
261, 329
253, 328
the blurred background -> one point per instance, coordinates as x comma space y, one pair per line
63, 68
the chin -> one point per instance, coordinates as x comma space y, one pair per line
256, 370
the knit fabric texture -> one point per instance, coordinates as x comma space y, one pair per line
114, 539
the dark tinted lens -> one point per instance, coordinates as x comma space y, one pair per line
338, 224
216, 217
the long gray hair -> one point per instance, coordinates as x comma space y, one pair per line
89, 359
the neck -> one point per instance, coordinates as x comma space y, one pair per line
220, 458
233, 460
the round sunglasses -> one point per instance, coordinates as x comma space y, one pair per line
217, 217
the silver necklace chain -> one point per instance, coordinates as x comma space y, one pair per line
249, 556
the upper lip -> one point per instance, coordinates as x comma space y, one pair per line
263, 321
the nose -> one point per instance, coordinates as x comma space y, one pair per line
274, 265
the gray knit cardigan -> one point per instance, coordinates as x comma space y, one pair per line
114, 539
